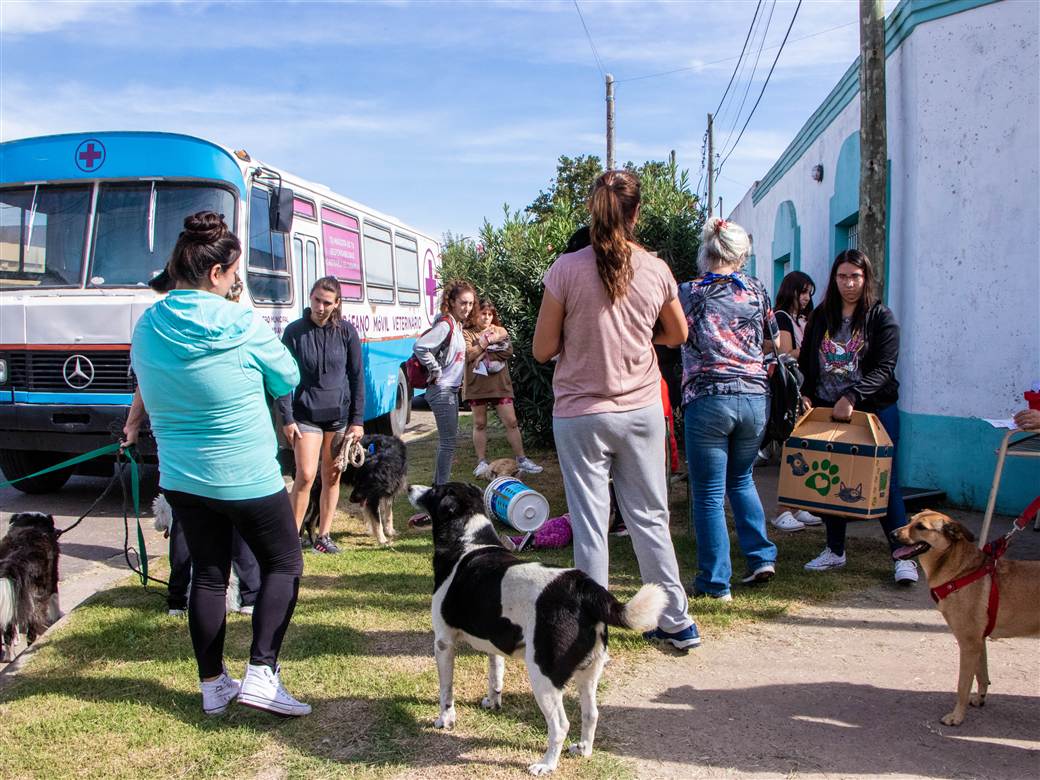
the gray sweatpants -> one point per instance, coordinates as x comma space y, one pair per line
627, 446
444, 403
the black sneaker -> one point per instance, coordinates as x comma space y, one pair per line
324, 544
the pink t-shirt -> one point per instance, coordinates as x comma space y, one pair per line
607, 361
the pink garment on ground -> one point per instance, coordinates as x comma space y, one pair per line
607, 361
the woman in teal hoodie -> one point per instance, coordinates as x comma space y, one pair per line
205, 367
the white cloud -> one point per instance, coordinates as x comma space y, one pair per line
30, 17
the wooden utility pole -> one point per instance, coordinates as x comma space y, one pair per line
711, 168
873, 135
610, 122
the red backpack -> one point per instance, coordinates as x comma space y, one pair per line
418, 376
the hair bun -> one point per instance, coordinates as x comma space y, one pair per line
205, 227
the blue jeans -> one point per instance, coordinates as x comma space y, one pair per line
896, 517
723, 434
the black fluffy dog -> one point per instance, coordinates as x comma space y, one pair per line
28, 579
383, 475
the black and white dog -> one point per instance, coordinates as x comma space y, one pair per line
28, 579
555, 619
383, 475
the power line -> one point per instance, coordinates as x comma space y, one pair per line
751, 79
599, 62
766, 84
742, 49
721, 116
724, 60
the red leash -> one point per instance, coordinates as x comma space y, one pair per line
993, 552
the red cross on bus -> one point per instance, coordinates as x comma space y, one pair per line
90, 155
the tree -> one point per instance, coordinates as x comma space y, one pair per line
572, 185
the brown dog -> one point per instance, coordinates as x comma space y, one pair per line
946, 551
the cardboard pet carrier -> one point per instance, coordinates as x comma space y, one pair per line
837, 468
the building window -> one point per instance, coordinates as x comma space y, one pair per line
852, 240
268, 268
379, 264
407, 270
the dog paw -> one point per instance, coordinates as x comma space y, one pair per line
492, 702
952, 718
977, 700
540, 769
445, 721
580, 749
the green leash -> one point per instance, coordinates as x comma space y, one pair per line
135, 493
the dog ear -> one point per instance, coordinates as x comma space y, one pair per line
449, 505
956, 532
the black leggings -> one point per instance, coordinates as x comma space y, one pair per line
269, 528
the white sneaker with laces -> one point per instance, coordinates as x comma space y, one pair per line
481, 469
787, 522
805, 518
825, 560
262, 689
528, 466
218, 694
906, 572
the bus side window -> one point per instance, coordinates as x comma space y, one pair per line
379, 264
310, 264
268, 267
407, 255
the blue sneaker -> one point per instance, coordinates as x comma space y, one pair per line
686, 639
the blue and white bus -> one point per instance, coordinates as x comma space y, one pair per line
86, 220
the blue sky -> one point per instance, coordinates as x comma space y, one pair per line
438, 113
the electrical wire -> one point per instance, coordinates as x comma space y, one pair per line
742, 49
764, 85
599, 62
751, 80
721, 116
702, 65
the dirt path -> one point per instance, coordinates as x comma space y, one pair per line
853, 688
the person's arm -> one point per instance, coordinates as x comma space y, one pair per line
356, 380
427, 345
134, 418
672, 329
1028, 419
883, 346
548, 331
502, 336
275, 362
475, 345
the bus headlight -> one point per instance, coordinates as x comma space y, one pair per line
3, 371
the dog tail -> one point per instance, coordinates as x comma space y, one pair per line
163, 513
8, 602
639, 614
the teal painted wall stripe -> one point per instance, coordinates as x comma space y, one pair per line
899, 25
958, 455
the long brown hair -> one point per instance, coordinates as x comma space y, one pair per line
452, 290
613, 206
331, 284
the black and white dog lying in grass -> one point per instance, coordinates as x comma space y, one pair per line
28, 579
555, 619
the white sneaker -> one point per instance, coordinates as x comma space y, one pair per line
481, 469
262, 689
825, 560
528, 466
763, 573
787, 522
906, 572
805, 518
218, 694
246, 610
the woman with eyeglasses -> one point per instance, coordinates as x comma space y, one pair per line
848, 359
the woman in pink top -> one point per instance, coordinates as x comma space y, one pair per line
603, 308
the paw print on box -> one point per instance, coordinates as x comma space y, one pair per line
824, 476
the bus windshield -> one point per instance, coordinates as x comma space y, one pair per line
137, 226
43, 231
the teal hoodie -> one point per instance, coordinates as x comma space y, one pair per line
202, 365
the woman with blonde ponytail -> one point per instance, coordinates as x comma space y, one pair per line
604, 307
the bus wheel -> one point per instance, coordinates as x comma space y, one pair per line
18, 463
394, 422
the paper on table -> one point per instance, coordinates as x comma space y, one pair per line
1008, 423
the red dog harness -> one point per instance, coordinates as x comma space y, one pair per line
993, 552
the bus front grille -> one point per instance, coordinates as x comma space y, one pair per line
70, 371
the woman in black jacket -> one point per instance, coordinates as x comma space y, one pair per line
848, 358
329, 398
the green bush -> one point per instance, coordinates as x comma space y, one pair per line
506, 263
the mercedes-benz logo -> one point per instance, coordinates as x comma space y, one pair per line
78, 372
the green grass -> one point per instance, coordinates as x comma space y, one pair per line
114, 692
